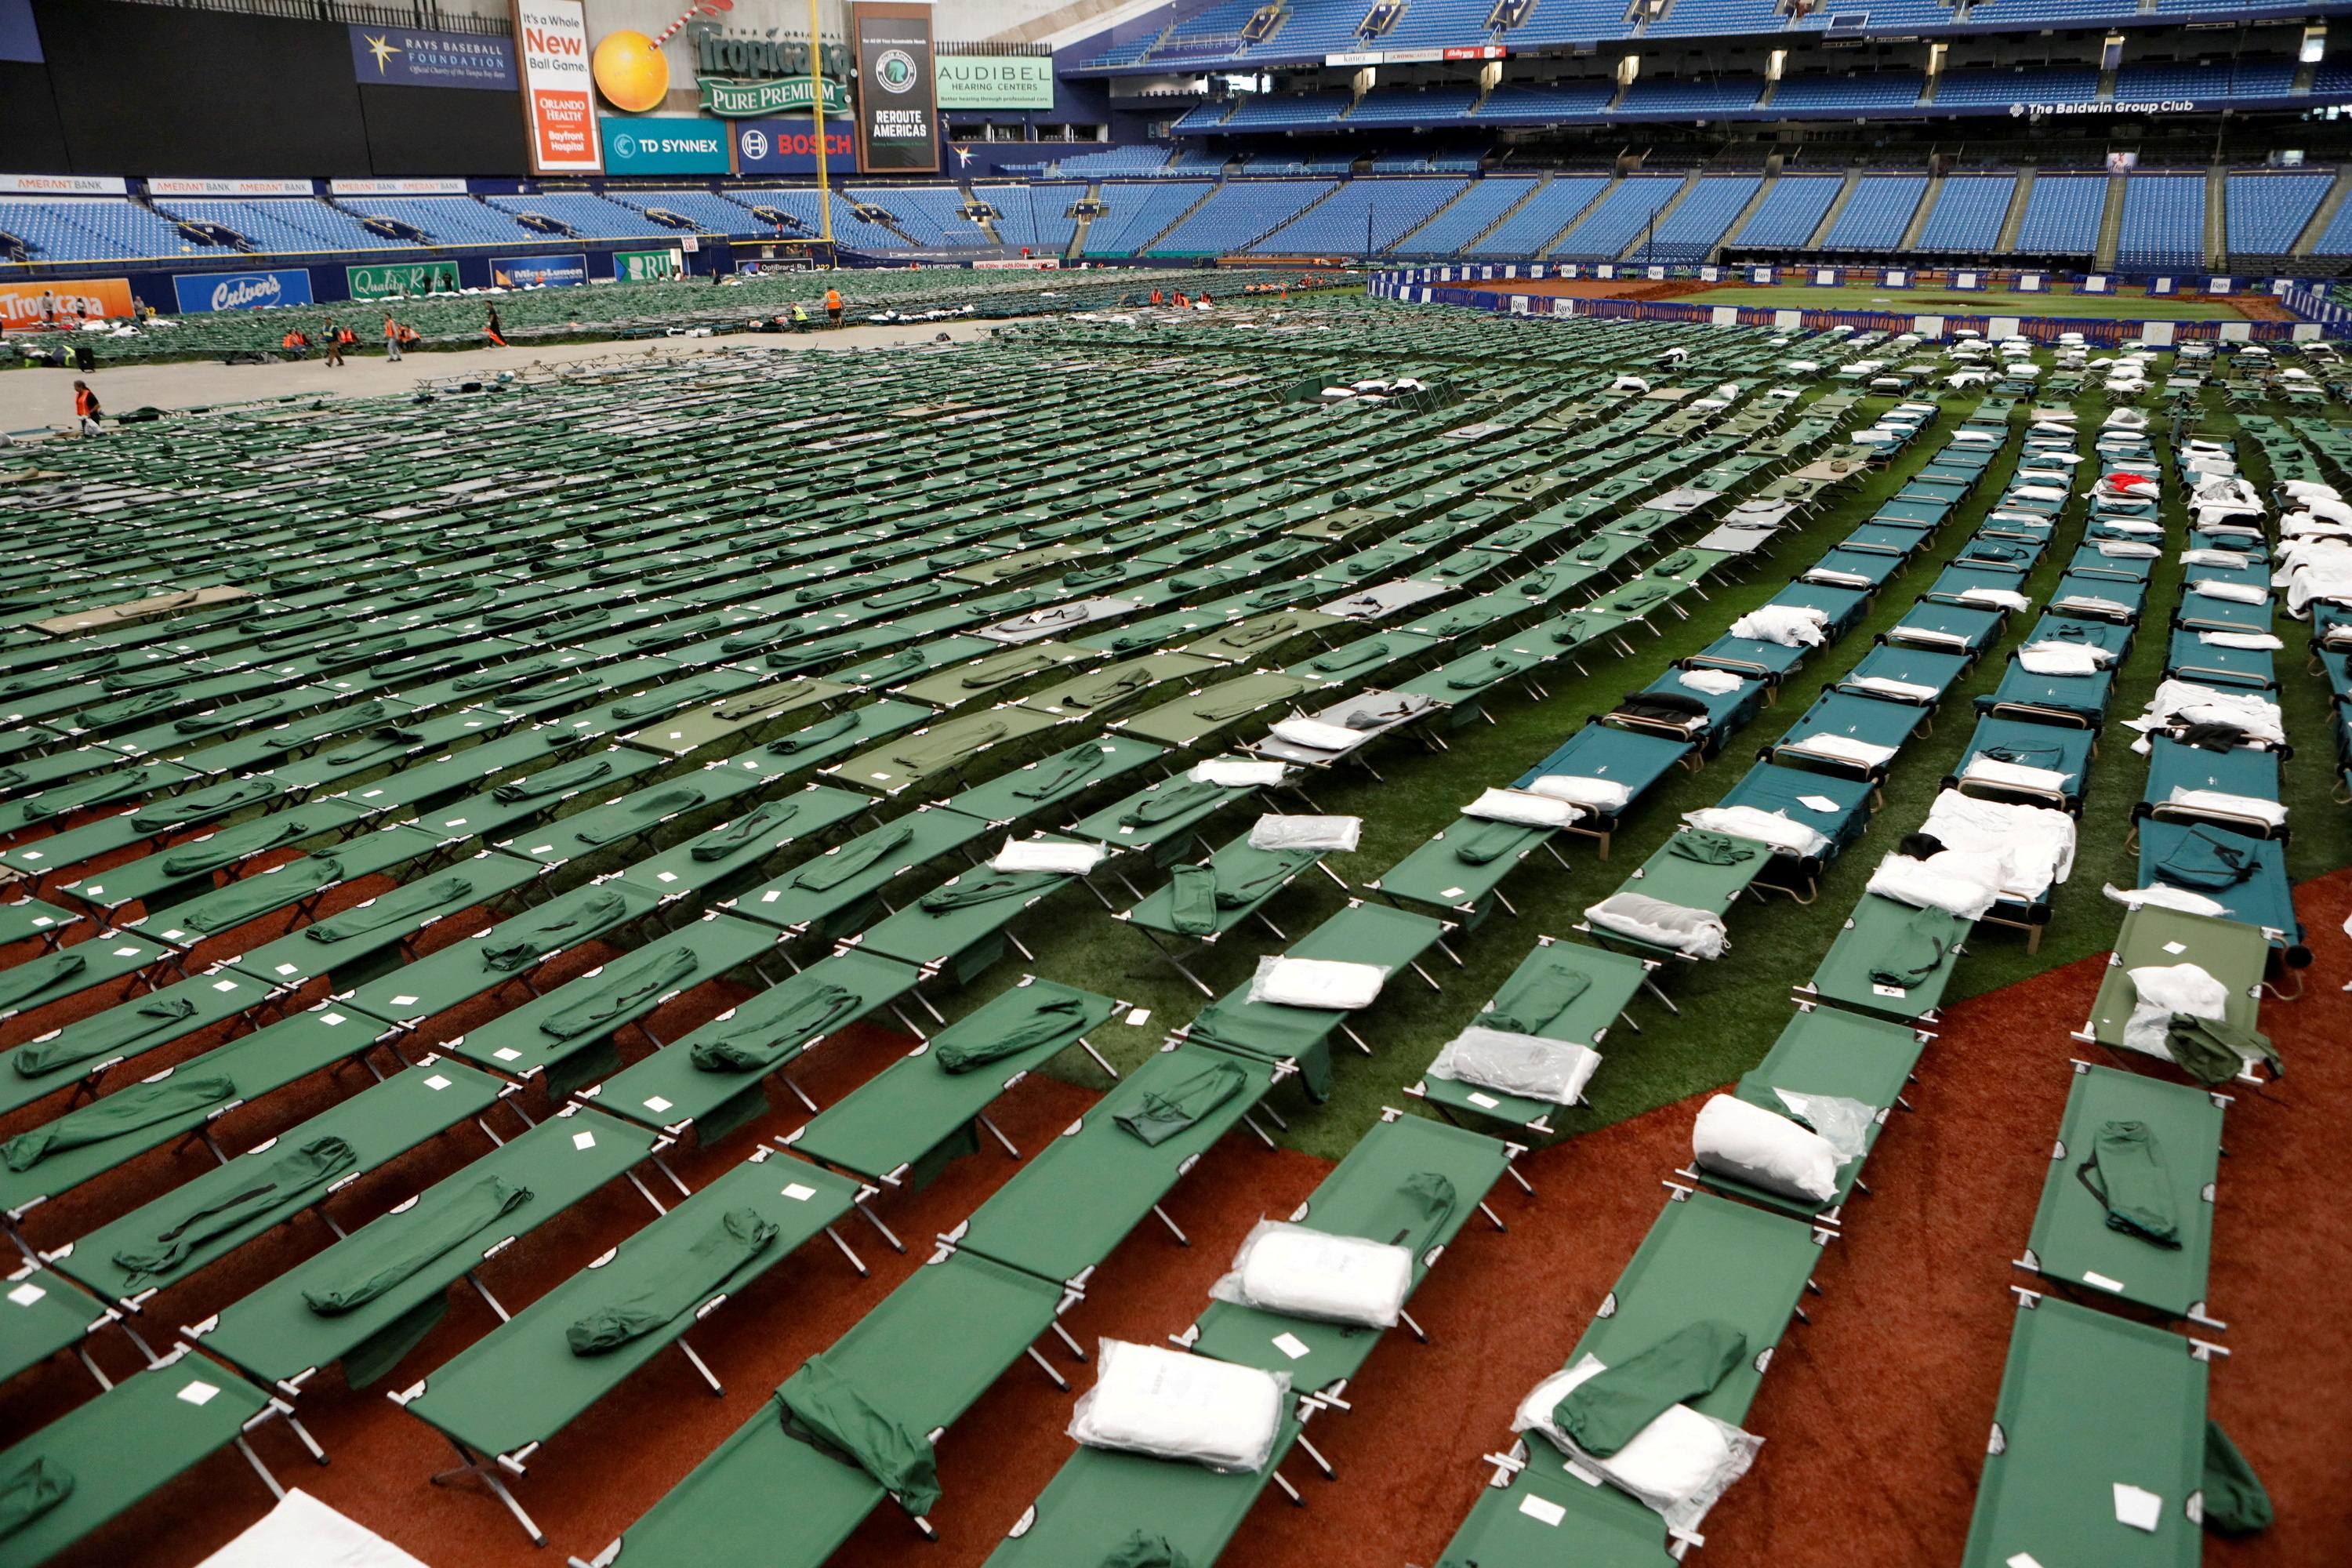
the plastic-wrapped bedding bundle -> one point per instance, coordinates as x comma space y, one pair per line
1305, 1273
2164, 990
1695, 933
1773, 827
1790, 626
1525, 1065
1318, 982
2039, 842
1961, 882
1170, 1406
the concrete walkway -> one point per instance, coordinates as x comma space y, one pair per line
37, 400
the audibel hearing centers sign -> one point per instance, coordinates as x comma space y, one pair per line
659, 144
241, 290
552, 37
995, 81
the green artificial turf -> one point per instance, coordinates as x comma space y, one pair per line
2134, 306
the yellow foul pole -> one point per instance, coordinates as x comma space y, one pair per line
816, 114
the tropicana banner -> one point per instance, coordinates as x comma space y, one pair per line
25, 305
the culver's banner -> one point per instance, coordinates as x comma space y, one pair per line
241, 290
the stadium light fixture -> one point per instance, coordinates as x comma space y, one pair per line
2315, 45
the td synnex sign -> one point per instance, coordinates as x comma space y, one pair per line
657, 144
242, 290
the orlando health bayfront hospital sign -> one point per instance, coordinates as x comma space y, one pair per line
551, 35
241, 290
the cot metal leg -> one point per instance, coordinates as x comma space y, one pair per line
717, 1392
1513, 1171
1418, 1331
908, 1023
1259, 1130
1087, 1046
489, 1300
1047, 1368
1321, 1463
1651, 987
875, 1220
936, 1016
499, 1491
663, 1166
1075, 1349
1357, 1038
1024, 951
261, 1469
1272, 1115
91, 1367
998, 1133
317, 1454
1182, 1239
1288, 1490
1491, 1214
798, 1092
1259, 916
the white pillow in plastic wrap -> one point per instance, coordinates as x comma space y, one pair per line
1764, 1149
1275, 831
2227, 804
1790, 626
1845, 1124
1022, 854
1963, 881
1235, 774
1522, 806
1677, 1466
2235, 593
2167, 898
1772, 827
1714, 683
2017, 775
1601, 794
1305, 1273
1315, 734
1318, 982
1524, 1065
1150, 1401
2059, 659
1998, 598
1846, 748
2164, 989
1697, 932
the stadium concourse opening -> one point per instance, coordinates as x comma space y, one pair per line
1312, 784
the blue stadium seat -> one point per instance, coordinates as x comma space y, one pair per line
1238, 214
288, 226
1968, 214
2060, 86
93, 229
451, 220
1790, 212
1877, 214
1701, 95
1696, 226
1412, 106
1619, 219
1034, 215
1851, 94
1554, 207
2062, 216
1120, 161
1383, 208
2203, 84
2267, 213
716, 214
1469, 216
592, 217
1548, 104
2163, 224
1136, 212
927, 214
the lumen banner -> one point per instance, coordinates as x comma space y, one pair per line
552, 38
539, 271
896, 112
996, 81
241, 290
400, 279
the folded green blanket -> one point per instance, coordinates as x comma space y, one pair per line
831, 1414
233, 844
666, 700
1169, 804
1192, 900
740, 1236
38, 1485
521, 947
111, 1033
1217, 710
1371, 650
852, 860
1609, 1409
800, 1009
981, 680
640, 813
960, 1050
2214, 1050
285, 1183
1535, 996
561, 690
810, 655
125, 710
1916, 949
1482, 674
2125, 1171
27, 981
397, 907
1162, 1116
817, 734
213, 721
202, 805
504, 675
2235, 1500
752, 828
623, 988
2209, 862
395, 1247
145, 1105
1711, 849
677, 631
904, 662
765, 703
99, 790
1490, 842
947, 745
554, 781
987, 887
380, 744
241, 901
1057, 775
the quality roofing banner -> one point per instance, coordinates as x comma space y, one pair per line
552, 38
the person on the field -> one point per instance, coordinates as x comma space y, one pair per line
833, 306
391, 339
492, 329
86, 408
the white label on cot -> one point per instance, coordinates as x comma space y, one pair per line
2091, 1276
2176, 948
799, 1193
583, 1140
25, 1295
1542, 1510
199, 1392
1896, 992
1483, 1101
1291, 1345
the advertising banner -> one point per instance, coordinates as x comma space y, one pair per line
401, 278
647, 265
894, 109
789, 146
752, 99
996, 81
539, 271
228, 187
553, 36
663, 144
20, 36
23, 305
241, 290
405, 57
63, 185
397, 188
